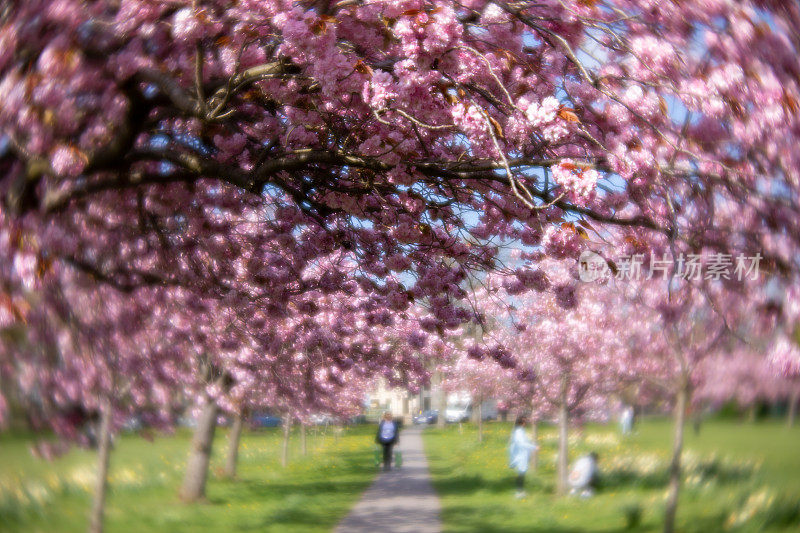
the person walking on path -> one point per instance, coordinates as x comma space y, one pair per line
401, 501
520, 447
388, 436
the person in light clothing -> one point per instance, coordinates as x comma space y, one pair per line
387, 437
583, 476
626, 420
520, 448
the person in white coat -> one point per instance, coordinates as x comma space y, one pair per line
626, 420
520, 448
583, 476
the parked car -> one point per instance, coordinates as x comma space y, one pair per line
458, 413
461, 411
264, 420
322, 420
427, 417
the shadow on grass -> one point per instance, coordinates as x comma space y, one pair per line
466, 518
256, 490
619, 479
301, 500
703, 524
711, 470
464, 484
608, 481
302, 504
295, 512
723, 473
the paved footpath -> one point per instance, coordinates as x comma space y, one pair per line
399, 501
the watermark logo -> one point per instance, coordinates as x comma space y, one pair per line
592, 267
690, 267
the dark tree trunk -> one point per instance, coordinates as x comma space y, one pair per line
791, 414
194, 481
101, 482
751, 413
697, 420
232, 457
697, 425
441, 402
675, 465
535, 431
287, 431
563, 445
480, 420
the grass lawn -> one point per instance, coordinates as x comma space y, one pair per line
312, 494
739, 477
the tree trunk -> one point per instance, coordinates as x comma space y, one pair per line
791, 415
194, 482
563, 444
535, 435
287, 430
675, 466
441, 397
233, 445
697, 424
751, 413
101, 482
480, 422
303, 439
479, 417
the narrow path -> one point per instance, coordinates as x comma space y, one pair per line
399, 501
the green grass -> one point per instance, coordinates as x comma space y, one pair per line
739, 477
312, 494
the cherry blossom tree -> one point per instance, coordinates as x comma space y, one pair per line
302, 363
93, 358
785, 358
482, 379
744, 378
569, 348
173, 351
697, 329
377, 126
221, 149
784, 353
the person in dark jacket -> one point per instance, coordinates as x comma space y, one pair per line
388, 436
